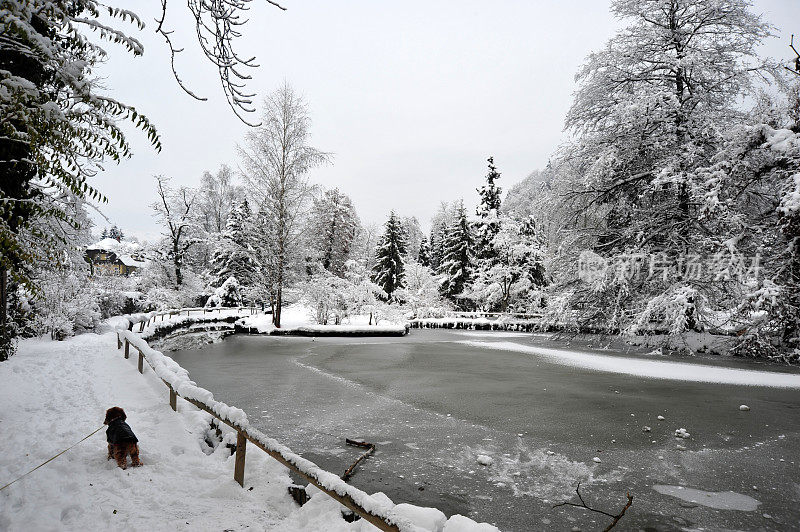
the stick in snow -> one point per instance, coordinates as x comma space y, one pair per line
583, 504
365, 445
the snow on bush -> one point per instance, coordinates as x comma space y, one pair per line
227, 295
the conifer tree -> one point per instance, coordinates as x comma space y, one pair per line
333, 225
488, 210
424, 256
389, 269
457, 258
234, 256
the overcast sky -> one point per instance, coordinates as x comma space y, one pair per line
411, 97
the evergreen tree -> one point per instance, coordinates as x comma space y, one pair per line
116, 234
439, 225
104, 234
457, 258
389, 269
488, 210
333, 225
424, 256
234, 257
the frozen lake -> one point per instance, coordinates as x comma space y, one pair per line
434, 401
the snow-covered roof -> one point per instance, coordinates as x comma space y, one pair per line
111, 244
127, 260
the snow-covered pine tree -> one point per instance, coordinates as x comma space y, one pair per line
116, 234
389, 268
235, 257
104, 234
439, 225
457, 257
424, 256
332, 228
508, 281
488, 211
227, 295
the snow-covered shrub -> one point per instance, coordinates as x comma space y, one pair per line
420, 295
325, 294
65, 305
675, 311
227, 295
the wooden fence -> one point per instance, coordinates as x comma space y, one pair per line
345, 494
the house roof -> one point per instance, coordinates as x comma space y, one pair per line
111, 244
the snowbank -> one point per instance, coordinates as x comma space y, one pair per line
653, 369
296, 321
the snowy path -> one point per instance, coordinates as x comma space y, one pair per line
653, 369
54, 393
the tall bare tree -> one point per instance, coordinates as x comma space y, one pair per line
175, 209
276, 159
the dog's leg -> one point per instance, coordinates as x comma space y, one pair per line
120, 455
135, 462
110, 451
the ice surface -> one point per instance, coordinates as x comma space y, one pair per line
653, 369
723, 500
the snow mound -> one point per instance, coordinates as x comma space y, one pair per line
485, 460
459, 523
682, 433
425, 518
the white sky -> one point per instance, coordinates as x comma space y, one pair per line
411, 97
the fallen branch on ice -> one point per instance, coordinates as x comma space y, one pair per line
365, 445
583, 505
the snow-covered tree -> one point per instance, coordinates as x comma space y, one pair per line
488, 223
234, 255
227, 295
175, 210
648, 114
276, 158
517, 270
332, 228
421, 291
116, 233
414, 236
439, 224
389, 269
457, 257
424, 255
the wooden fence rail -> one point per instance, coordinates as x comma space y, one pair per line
243, 435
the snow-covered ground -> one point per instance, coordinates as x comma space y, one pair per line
653, 369
55, 393
298, 317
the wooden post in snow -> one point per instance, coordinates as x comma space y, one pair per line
127, 347
241, 449
141, 362
173, 399
119, 343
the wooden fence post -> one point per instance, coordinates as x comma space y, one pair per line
238, 471
173, 399
141, 362
119, 343
127, 347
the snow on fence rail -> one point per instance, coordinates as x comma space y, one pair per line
177, 381
145, 318
475, 324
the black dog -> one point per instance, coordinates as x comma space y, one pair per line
121, 439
